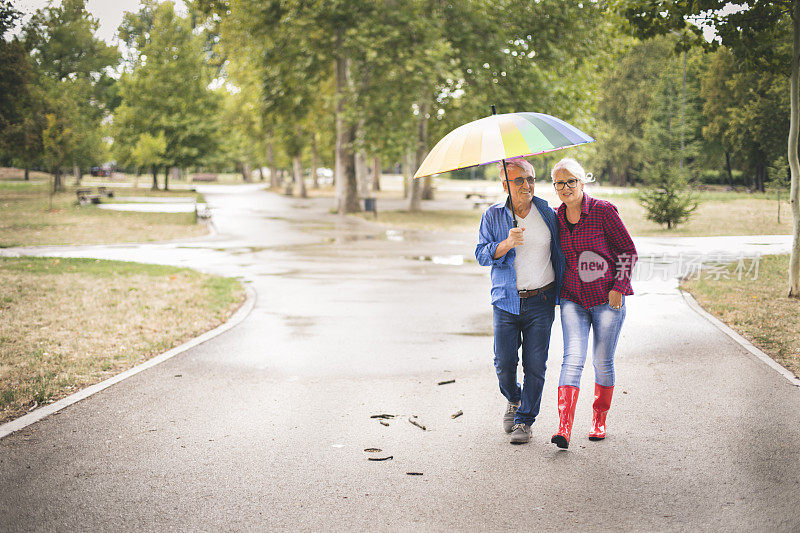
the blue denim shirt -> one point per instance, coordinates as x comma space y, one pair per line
495, 225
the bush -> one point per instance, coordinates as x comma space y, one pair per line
666, 199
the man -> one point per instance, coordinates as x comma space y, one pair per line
527, 267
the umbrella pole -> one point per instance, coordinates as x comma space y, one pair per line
508, 185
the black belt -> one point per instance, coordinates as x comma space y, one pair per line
534, 292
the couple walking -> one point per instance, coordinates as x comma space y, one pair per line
579, 256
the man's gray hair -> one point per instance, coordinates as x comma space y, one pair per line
520, 162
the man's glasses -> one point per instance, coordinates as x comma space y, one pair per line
519, 181
559, 185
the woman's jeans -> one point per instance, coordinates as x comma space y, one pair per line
531, 330
605, 322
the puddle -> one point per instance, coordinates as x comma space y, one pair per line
299, 324
394, 235
242, 250
439, 259
152, 207
288, 273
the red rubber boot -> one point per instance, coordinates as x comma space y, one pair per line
567, 398
602, 402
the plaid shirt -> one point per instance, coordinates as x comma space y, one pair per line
604, 249
495, 225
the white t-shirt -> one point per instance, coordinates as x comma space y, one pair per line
532, 263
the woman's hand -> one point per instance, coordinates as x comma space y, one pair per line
615, 299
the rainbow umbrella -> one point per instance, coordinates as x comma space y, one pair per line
500, 137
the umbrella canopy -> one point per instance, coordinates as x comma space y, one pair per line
498, 137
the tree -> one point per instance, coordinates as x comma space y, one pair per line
21, 118
166, 88
74, 89
756, 34
72, 63
149, 153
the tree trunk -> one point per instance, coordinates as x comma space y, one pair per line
260, 173
346, 187
794, 164
288, 186
299, 182
155, 178
422, 149
58, 184
27, 174
361, 173
408, 173
167, 170
376, 173
76, 172
136, 178
273, 170
246, 171
314, 161
728, 168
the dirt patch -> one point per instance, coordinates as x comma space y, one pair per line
26, 219
66, 324
758, 309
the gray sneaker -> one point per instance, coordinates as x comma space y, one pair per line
521, 434
508, 417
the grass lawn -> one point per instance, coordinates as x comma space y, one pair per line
718, 214
757, 309
66, 324
26, 218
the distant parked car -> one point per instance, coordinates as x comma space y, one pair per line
100, 171
324, 176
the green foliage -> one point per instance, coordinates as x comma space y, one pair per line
665, 199
670, 145
166, 91
21, 120
149, 150
73, 88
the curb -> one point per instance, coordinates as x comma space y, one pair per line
744, 343
26, 420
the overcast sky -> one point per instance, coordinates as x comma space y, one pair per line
109, 12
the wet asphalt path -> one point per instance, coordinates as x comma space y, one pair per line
267, 424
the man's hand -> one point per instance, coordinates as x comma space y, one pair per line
514, 239
615, 299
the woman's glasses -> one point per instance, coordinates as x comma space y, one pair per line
559, 185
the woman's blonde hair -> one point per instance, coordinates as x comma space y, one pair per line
572, 167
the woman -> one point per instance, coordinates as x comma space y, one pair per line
600, 256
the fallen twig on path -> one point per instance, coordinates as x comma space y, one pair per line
411, 419
457, 414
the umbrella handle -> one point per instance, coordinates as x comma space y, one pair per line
508, 185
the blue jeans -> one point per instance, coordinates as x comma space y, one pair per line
531, 330
606, 323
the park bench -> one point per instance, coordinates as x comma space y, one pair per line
204, 176
202, 212
481, 200
85, 195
